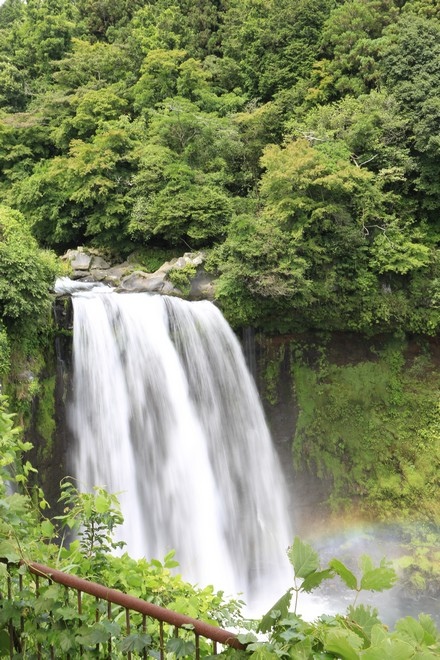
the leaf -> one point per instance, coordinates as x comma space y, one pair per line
421, 632
96, 634
101, 504
135, 642
281, 608
263, 653
303, 558
344, 573
303, 650
377, 579
4, 643
8, 551
65, 640
246, 638
47, 529
364, 617
378, 634
389, 648
169, 561
410, 630
66, 613
315, 579
181, 647
431, 634
344, 643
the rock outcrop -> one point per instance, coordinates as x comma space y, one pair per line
183, 276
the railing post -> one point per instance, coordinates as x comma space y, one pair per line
127, 628
10, 622
109, 616
161, 646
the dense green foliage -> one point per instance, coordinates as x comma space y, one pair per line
374, 425
297, 139
27, 274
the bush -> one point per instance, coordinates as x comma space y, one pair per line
26, 272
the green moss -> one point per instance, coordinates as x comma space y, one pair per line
5, 352
150, 259
45, 422
374, 427
181, 277
271, 374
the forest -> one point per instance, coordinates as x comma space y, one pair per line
295, 140
296, 143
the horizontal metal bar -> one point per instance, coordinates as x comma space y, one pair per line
137, 604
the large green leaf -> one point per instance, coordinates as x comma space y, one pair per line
379, 578
263, 653
47, 529
276, 612
389, 648
135, 642
365, 618
9, 551
421, 632
344, 573
302, 650
66, 640
432, 635
378, 634
303, 558
90, 636
410, 630
4, 643
314, 579
344, 643
181, 647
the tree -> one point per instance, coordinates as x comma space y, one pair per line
410, 63
274, 41
92, 65
36, 36
26, 272
84, 193
100, 16
181, 189
324, 242
349, 50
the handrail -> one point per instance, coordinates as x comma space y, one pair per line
137, 604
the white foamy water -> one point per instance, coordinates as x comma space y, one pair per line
165, 413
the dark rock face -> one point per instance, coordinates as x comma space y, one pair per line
309, 494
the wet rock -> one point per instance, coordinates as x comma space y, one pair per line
202, 287
80, 261
98, 263
140, 281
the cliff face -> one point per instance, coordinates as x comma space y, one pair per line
359, 419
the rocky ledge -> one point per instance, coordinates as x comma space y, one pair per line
183, 276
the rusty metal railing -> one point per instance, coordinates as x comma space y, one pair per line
128, 608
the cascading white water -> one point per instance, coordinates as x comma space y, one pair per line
165, 413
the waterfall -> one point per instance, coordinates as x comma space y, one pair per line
165, 414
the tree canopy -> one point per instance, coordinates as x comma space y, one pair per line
296, 141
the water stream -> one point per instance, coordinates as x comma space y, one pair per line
166, 414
